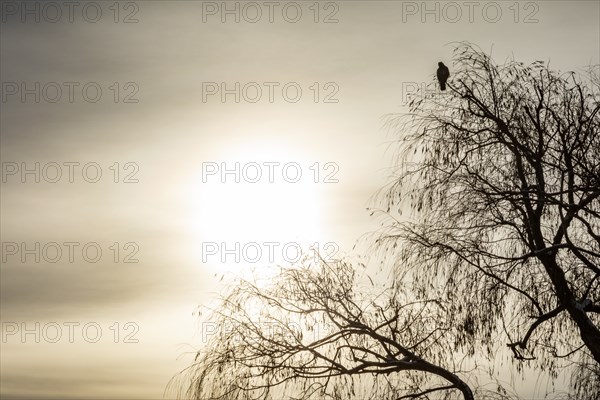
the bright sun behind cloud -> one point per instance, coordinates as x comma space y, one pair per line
272, 195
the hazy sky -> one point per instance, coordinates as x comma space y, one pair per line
160, 122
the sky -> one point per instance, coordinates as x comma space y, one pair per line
147, 144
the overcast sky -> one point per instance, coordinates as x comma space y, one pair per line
160, 122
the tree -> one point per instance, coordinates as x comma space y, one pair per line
317, 332
502, 176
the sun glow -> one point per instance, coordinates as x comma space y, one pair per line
262, 200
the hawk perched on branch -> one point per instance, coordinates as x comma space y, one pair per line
443, 73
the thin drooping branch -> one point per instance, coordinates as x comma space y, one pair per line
523, 342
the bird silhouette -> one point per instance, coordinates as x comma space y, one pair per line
443, 73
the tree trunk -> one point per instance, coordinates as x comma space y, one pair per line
590, 335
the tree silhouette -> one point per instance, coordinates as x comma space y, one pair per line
317, 332
502, 178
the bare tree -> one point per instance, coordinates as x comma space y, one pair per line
317, 332
502, 177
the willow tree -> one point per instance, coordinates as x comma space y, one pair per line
502, 179
321, 330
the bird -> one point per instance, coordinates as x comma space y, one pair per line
443, 73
